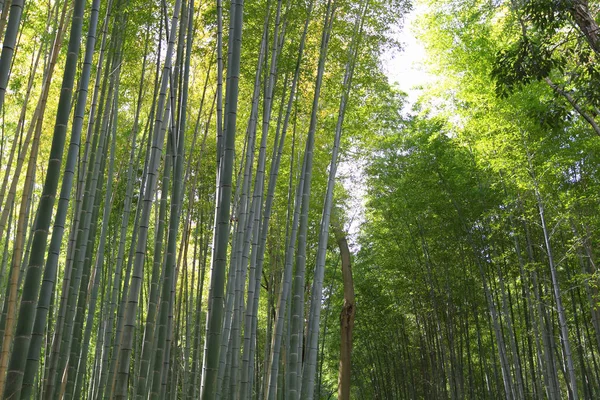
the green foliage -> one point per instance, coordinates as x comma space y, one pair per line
522, 63
454, 199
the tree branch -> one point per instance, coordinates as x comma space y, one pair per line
576, 106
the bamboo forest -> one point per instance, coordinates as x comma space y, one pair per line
259, 200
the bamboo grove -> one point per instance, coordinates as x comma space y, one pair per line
230, 200
476, 275
168, 172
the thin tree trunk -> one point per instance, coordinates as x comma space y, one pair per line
346, 319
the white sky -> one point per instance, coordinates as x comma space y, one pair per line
406, 68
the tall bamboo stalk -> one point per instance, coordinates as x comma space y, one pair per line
137, 276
